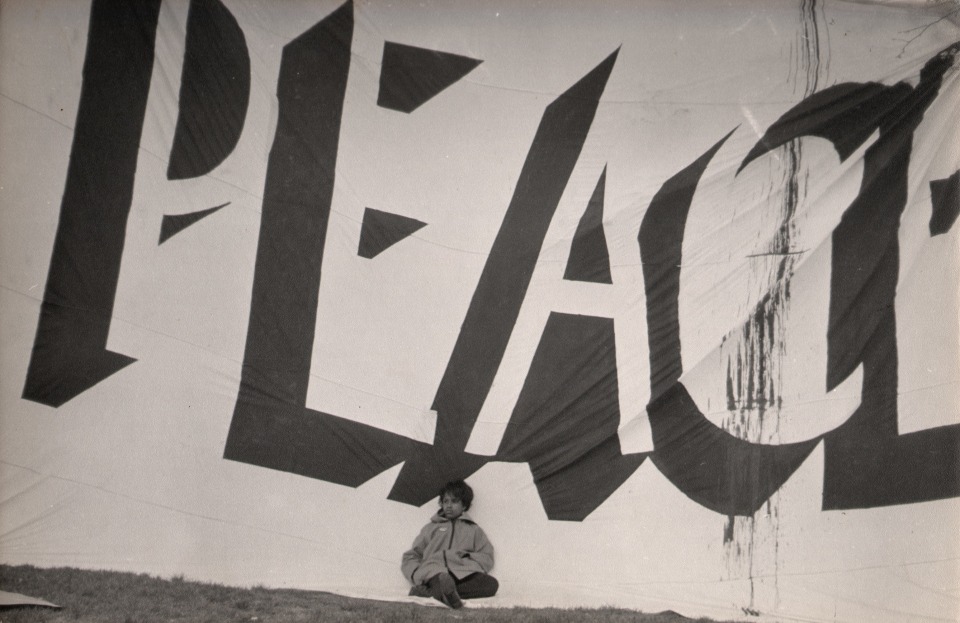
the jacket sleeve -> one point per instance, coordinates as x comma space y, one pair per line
413, 557
482, 553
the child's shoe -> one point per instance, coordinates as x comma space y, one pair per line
444, 589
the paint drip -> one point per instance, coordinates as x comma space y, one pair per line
754, 357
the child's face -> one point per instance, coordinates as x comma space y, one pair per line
452, 507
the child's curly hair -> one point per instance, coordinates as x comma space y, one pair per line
458, 490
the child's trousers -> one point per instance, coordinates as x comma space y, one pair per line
477, 585
473, 586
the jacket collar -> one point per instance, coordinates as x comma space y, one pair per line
439, 518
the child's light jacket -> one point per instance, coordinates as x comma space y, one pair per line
459, 547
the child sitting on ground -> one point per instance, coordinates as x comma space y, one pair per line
451, 557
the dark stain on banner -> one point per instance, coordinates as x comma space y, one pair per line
755, 367
867, 463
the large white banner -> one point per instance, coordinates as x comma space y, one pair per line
675, 290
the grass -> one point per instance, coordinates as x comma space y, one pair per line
108, 596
